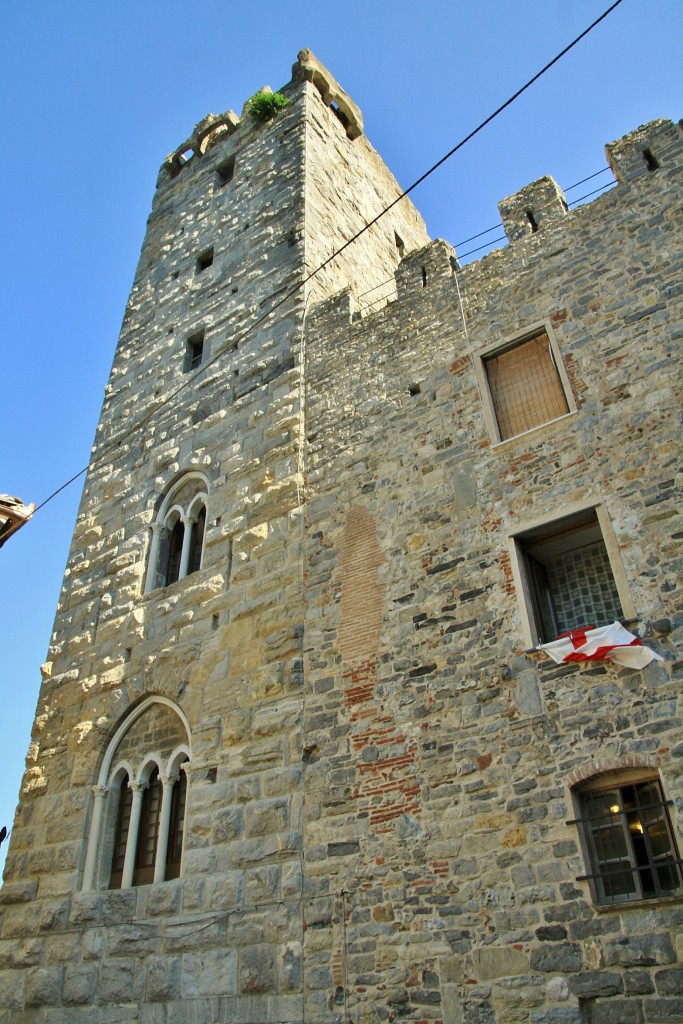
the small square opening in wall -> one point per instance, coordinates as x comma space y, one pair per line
226, 171
526, 385
194, 351
205, 260
570, 575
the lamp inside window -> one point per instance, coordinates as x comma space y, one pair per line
629, 843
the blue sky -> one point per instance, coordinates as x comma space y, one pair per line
95, 96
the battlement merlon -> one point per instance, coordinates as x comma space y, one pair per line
308, 68
657, 144
654, 146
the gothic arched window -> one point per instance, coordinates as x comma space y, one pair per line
136, 833
178, 532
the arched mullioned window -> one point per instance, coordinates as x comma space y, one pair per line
178, 530
136, 832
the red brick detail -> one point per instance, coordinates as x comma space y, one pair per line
484, 760
577, 385
560, 317
460, 364
506, 566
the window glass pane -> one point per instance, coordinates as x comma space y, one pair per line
148, 831
630, 825
176, 827
175, 549
196, 542
121, 833
582, 587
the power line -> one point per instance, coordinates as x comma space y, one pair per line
296, 288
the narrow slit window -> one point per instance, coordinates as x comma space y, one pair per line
532, 221
400, 245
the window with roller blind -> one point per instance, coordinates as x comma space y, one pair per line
526, 384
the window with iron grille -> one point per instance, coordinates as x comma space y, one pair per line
628, 842
527, 385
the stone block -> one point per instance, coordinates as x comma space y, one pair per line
596, 984
663, 1010
209, 973
563, 957
43, 986
670, 981
639, 950
257, 970
80, 984
12, 987
115, 983
498, 962
163, 979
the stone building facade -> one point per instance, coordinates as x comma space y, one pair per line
296, 757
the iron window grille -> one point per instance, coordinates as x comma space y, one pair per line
629, 843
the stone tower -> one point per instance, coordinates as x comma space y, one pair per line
171, 704
300, 754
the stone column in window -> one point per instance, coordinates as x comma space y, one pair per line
167, 783
100, 793
187, 544
153, 563
138, 789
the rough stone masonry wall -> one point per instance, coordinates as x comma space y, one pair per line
224, 644
441, 754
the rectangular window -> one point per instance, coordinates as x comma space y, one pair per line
226, 171
194, 351
526, 385
205, 260
628, 842
568, 577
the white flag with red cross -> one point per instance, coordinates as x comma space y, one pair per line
613, 643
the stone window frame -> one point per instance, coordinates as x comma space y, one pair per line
498, 348
171, 513
531, 627
628, 824
106, 793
